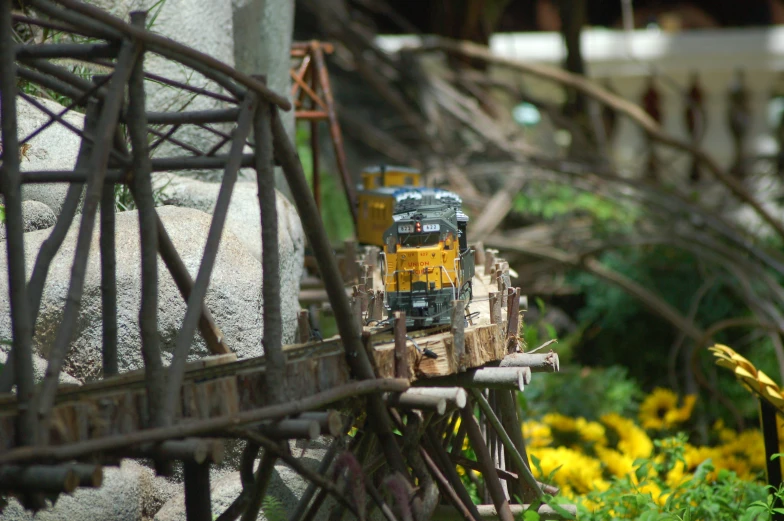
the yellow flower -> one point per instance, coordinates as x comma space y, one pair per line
560, 422
660, 409
537, 434
725, 434
578, 473
592, 432
616, 463
649, 487
573, 432
749, 446
632, 440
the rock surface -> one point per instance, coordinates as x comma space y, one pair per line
54, 148
286, 486
244, 221
39, 369
35, 216
234, 295
129, 493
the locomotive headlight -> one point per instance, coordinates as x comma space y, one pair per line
418, 226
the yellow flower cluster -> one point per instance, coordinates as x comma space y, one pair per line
585, 455
660, 409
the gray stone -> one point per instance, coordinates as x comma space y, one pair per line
55, 148
35, 216
245, 222
39, 368
131, 492
234, 295
286, 487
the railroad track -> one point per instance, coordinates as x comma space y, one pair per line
215, 367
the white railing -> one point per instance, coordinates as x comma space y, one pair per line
628, 59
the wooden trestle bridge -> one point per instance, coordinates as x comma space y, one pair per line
404, 392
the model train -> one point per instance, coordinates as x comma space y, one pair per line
425, 261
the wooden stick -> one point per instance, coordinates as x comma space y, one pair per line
260, 482
39, 478
514, 378
449, 472
148, 232
270, 260
303, 326
198, 506
99, 158
200, 427
108, 283
485, 461
212, 334
10, 186
90, 476
402, 369
503, 474
489, 260
479, 254
356, 357
330, 422
495, 307
507, 405
513, 319
197, 450
196, 298
458, 333
302, 470
489, 512
326, 461
445, 485
350, 261
522, 466
455, 396
51, 245
416, 401
303, 428
536, 362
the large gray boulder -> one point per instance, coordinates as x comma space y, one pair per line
234, 295
131, 492
244, 220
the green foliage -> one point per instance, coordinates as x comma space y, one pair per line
550, 201
588, 393
707, 496
335, 211
273, 509
2, 213
123, 199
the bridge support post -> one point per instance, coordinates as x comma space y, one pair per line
458, 333
197, 491
402, 370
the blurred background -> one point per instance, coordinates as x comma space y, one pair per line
637, 249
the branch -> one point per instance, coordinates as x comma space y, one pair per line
317, 401
625, 107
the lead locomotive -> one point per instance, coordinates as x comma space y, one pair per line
426, 261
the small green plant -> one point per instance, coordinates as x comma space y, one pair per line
273, 509
2, 213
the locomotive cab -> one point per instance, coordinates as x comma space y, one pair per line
424, 264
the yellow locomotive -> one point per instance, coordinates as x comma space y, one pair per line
426, 259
